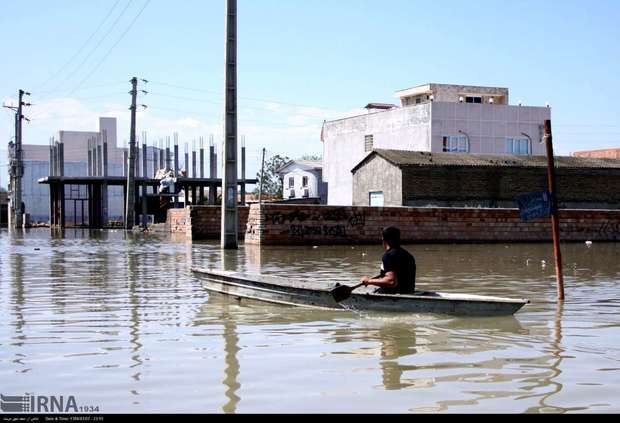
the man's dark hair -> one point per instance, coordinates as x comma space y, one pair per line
391, 236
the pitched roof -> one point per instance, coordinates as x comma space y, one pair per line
402, 158
314, 164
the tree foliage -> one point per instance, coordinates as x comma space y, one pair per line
272, 186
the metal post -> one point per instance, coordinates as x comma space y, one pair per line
555, 224
130, 206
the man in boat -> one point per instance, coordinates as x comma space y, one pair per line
397, 269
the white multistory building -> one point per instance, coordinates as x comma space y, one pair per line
431, 118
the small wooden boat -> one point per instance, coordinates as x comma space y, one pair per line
280, 290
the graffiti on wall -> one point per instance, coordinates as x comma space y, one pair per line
298, 216
302, 231
304, 223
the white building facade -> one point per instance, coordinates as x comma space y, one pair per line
432, 118
302, 179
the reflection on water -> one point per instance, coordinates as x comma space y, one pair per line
118, 320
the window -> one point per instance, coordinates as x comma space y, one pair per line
418, 100
473, 99
375, 199
455, 144
291, 182
368, 142
304, 181
518, 146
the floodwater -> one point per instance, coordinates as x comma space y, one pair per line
118, 321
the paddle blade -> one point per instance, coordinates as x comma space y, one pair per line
341, 293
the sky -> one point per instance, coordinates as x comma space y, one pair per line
301, 62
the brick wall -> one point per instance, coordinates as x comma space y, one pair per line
272, 224
202, 222
498, 186
176, 220
611, 153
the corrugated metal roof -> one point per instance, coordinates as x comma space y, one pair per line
403, 158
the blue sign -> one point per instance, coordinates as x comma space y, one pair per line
534, 205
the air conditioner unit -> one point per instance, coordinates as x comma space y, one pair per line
291, 193
306, 192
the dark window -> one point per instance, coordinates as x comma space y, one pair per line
291, 182
472, 99
304, 181
368, 142
418, 100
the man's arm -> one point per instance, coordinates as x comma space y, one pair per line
388, 281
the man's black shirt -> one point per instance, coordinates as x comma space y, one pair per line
399, 261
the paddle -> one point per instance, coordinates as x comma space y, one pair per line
342, 292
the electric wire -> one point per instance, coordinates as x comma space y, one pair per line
63, 67
113, 46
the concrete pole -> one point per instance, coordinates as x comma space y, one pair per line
176, 154
194, 202
51, 167
161, 153
104, 186
145, 173
229, 169
212, 187
168, 158
125, 162
243, 170
130, 205
19, 166
201, 170
176, 166
99, 156
61, 160
186, 172
90, 158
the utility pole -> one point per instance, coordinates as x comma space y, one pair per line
130, 206
17, 165
555, 224
229, 176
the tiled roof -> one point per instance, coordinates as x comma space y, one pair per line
402, 158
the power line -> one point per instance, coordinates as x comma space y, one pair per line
63, 67
244, 98
118, 18
113, 46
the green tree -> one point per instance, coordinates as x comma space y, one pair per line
271, 181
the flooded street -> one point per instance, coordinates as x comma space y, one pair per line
119, 321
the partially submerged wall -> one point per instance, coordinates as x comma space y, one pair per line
203, 222
274, 224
